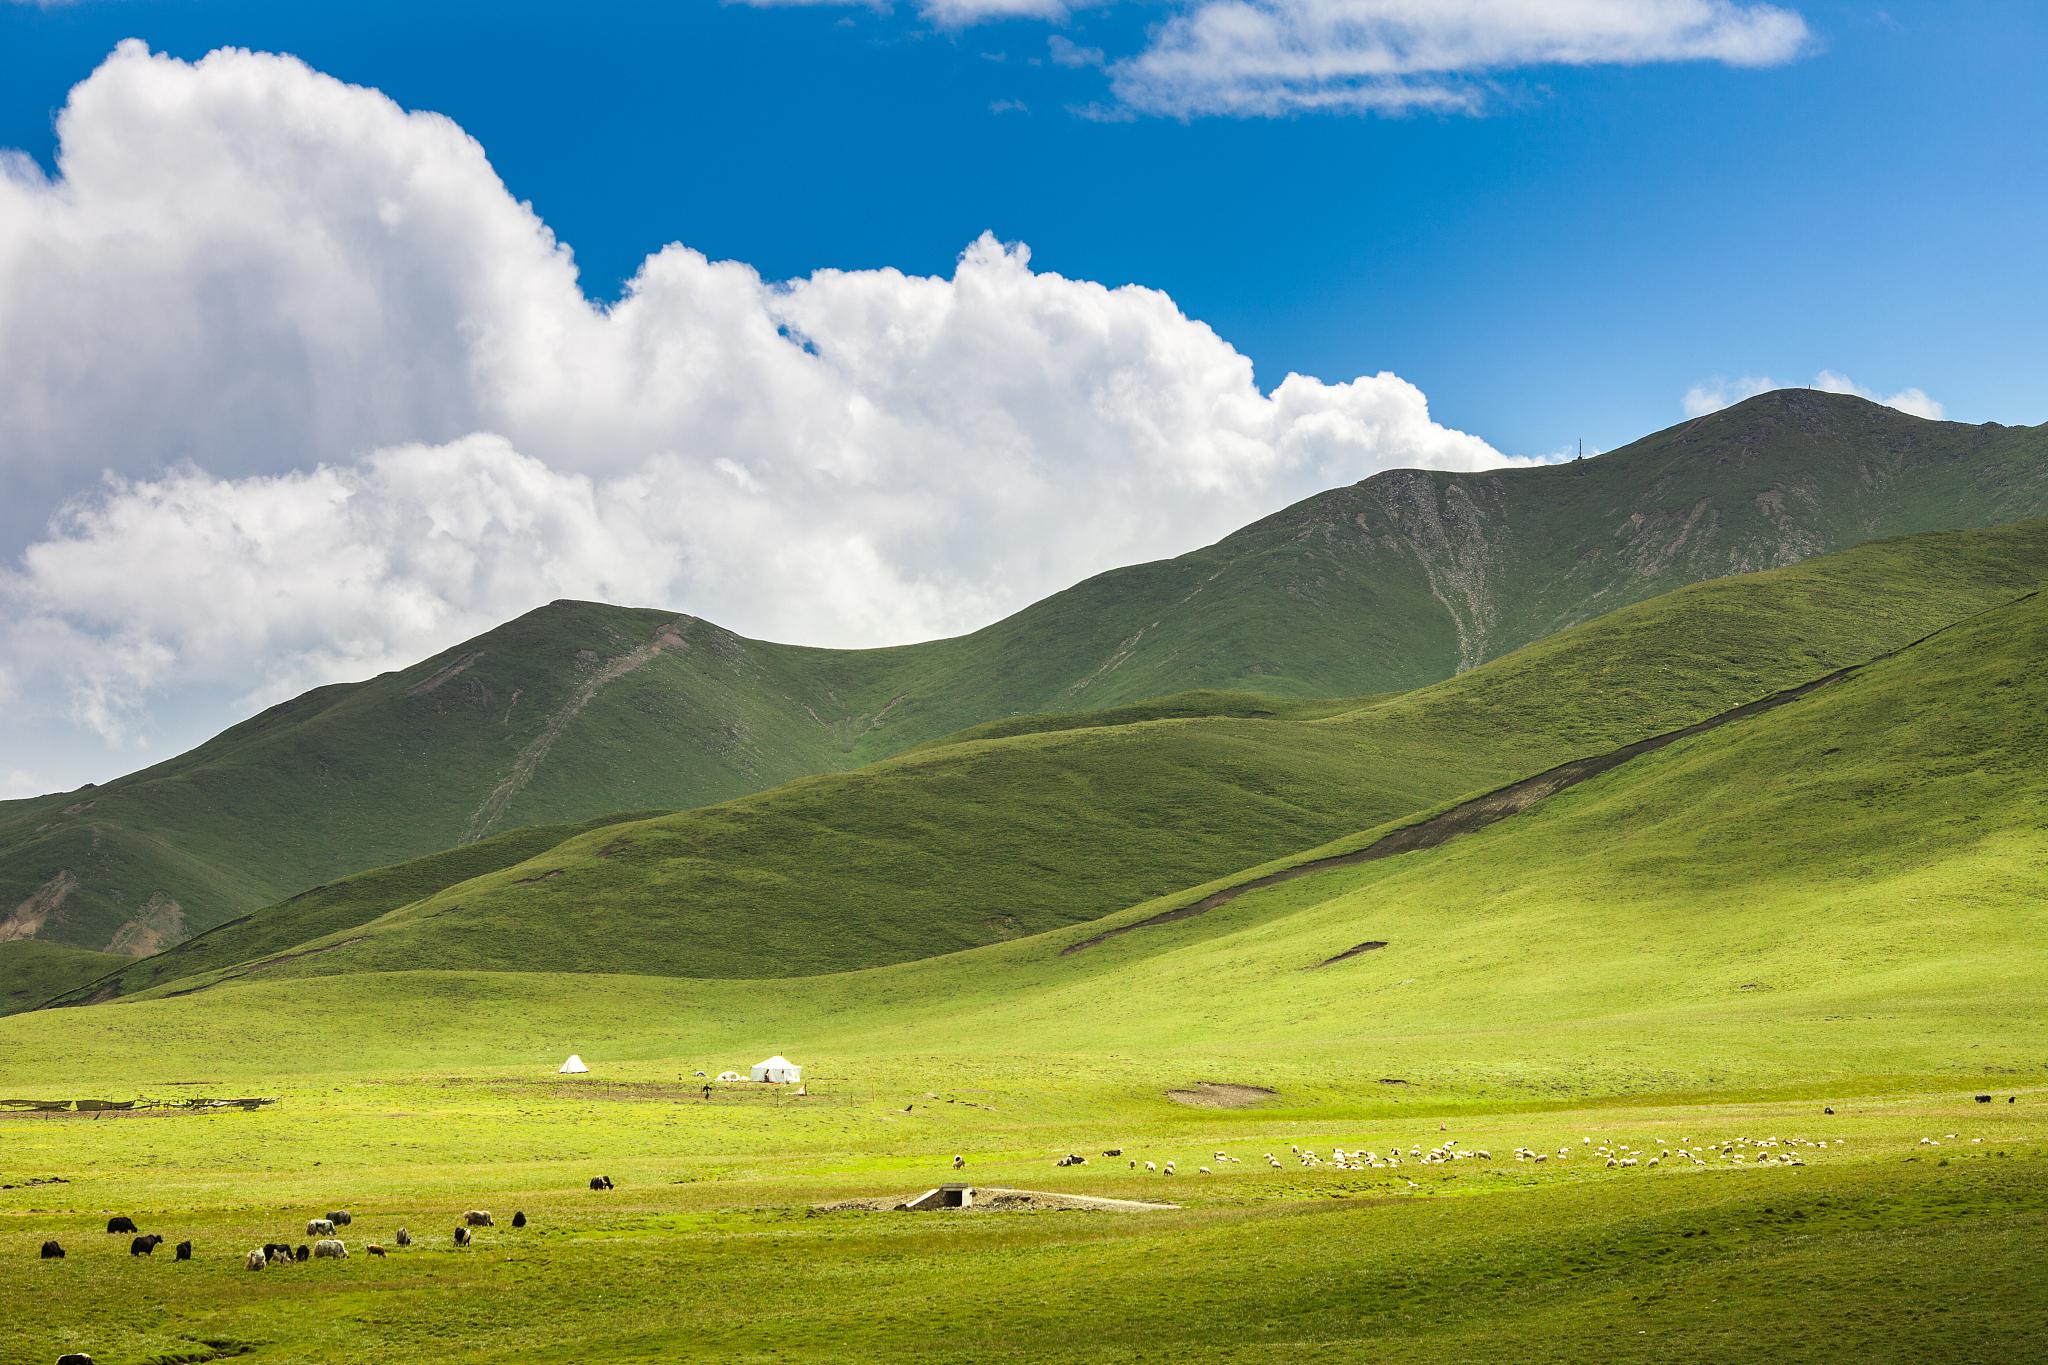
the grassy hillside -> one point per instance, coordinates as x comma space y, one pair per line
1812, 932
578, 709
995, 838
32, 971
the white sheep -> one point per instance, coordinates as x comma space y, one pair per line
255, 1260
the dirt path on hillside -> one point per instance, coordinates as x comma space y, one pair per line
1513, 799
528, 762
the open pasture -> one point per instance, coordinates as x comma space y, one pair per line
708, 1246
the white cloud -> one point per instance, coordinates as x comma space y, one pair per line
949, 13
1914, 401
352, 405
1267, 57
1715, 394
1261, 58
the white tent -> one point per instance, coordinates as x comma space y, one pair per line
573, 1067
729, 1076
778, 1070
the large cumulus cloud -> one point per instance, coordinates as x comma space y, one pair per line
292, 388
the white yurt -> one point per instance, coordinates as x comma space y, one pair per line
573, 1067
778, 1070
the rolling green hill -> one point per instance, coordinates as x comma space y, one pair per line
578, 709
1004, 836
1741, 993
32, 971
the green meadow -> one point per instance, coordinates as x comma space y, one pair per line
1838, 903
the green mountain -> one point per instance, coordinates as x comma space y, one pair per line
577, 709
1024, 827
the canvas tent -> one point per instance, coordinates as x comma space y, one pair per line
573, 1067
778, 1070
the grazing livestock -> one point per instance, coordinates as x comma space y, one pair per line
319, 1227
478, 1218
303, 1253
462, 1236
374, 1249
146, 1244
958, 1161
341, 1218
600, 1182
1113, 1151
74, 1358
519, 1218
404, 1238
255, 1260
277, 1251
52, 1251
328, 1249
121, 1223
184, 1251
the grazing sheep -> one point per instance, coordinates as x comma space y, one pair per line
184, 1251
303, 1253
1206, 1171
146, 1244
478, 1218
404, 1238
462, 1237
600, 1182
1150, 1167
519, 1218
958, 1161
255, 1260
329, 1249
319, 1227
374, 1249
121, 1223
341, 1218
52, 1251
1113, 1151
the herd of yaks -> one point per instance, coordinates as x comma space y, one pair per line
325, 1247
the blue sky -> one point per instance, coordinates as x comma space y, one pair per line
294, 390
1565, 265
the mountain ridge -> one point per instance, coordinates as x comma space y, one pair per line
576, 709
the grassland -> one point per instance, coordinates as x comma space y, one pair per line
580, 710
32, 971
1837, 903
1051, 824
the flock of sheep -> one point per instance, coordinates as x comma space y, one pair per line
1612, 1155
326, 1246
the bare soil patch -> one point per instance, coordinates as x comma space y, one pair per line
993, 1200
1222, 1095
1368, 946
